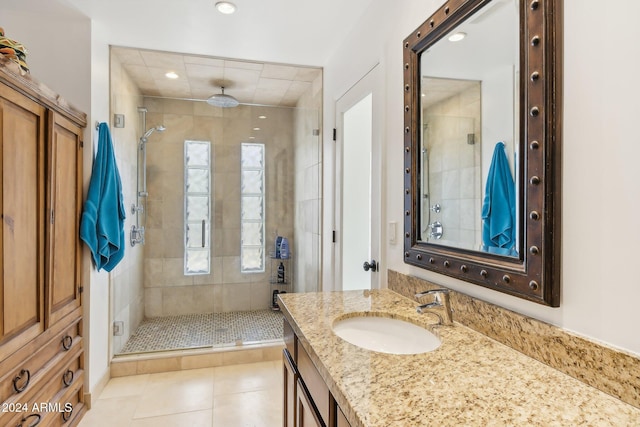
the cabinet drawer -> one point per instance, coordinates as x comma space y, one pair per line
314, 383
58, 400
19, 375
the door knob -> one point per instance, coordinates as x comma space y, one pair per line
373, 265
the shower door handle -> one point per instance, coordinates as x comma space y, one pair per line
203, 233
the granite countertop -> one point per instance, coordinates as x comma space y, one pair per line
470, 380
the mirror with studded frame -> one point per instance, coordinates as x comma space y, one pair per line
507, 129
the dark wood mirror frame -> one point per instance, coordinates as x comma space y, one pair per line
535, 274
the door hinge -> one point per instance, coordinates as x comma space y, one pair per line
81, 289
335, 134
52, 216
334, 236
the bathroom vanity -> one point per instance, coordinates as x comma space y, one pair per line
469, 379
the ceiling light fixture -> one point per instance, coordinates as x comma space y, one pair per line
222, 100
456, 37
262, 117
256, 129
171, 75
226, 7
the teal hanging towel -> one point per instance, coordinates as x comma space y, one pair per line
102, 224
499, 207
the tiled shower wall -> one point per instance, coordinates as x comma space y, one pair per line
454, 168
308, 194
167, 290
126, 292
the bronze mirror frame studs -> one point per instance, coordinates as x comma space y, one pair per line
535, 273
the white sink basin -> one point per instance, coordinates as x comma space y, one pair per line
386, 335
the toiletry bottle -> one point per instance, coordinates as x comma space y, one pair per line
281, 273
284, 248
278, 244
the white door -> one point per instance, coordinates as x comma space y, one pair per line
358, 185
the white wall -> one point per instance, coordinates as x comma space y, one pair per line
601, 179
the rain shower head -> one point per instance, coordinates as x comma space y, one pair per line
158, 128
222, 100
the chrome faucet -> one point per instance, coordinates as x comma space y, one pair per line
441, 299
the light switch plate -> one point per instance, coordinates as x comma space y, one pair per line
392, 232
118, 120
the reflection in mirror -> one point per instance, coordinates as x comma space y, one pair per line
482, 145
469, 97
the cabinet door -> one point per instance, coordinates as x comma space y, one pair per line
22, 277
290, 379
65, 203
307, 414
341, 420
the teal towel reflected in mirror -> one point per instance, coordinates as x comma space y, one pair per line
102, 224
499, 207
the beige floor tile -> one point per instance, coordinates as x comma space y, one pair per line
190, 419
203, 374
173, 397
116, 412
249, 377
250, 409
125, 386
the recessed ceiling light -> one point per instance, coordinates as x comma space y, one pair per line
256, 128
252, 137
171, 75
262, 117
226, 7
457, 36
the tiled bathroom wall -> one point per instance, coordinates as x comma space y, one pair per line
167, 290
127, 292
454, 168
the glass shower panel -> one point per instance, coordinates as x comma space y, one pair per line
197, 207
252, 239
252, 182
197, 154
197, 181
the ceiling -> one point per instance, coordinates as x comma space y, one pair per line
244, 51
199, 77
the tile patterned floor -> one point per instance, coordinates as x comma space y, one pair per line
248, 395
205, 330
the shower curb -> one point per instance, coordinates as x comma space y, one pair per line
177, 360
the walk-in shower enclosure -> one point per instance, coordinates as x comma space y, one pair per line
210, 219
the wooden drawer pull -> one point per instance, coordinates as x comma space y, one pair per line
66, 415
33, 424
67, 378
24, 373
67, 341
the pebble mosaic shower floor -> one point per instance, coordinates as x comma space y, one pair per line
205, 330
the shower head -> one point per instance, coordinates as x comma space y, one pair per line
222, 100
158, 128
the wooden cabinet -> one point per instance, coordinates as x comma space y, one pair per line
41, 343
65, 204
307, 414
307, 399
290, 397
22, 236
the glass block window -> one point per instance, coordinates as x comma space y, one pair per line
197, 207
252, 259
